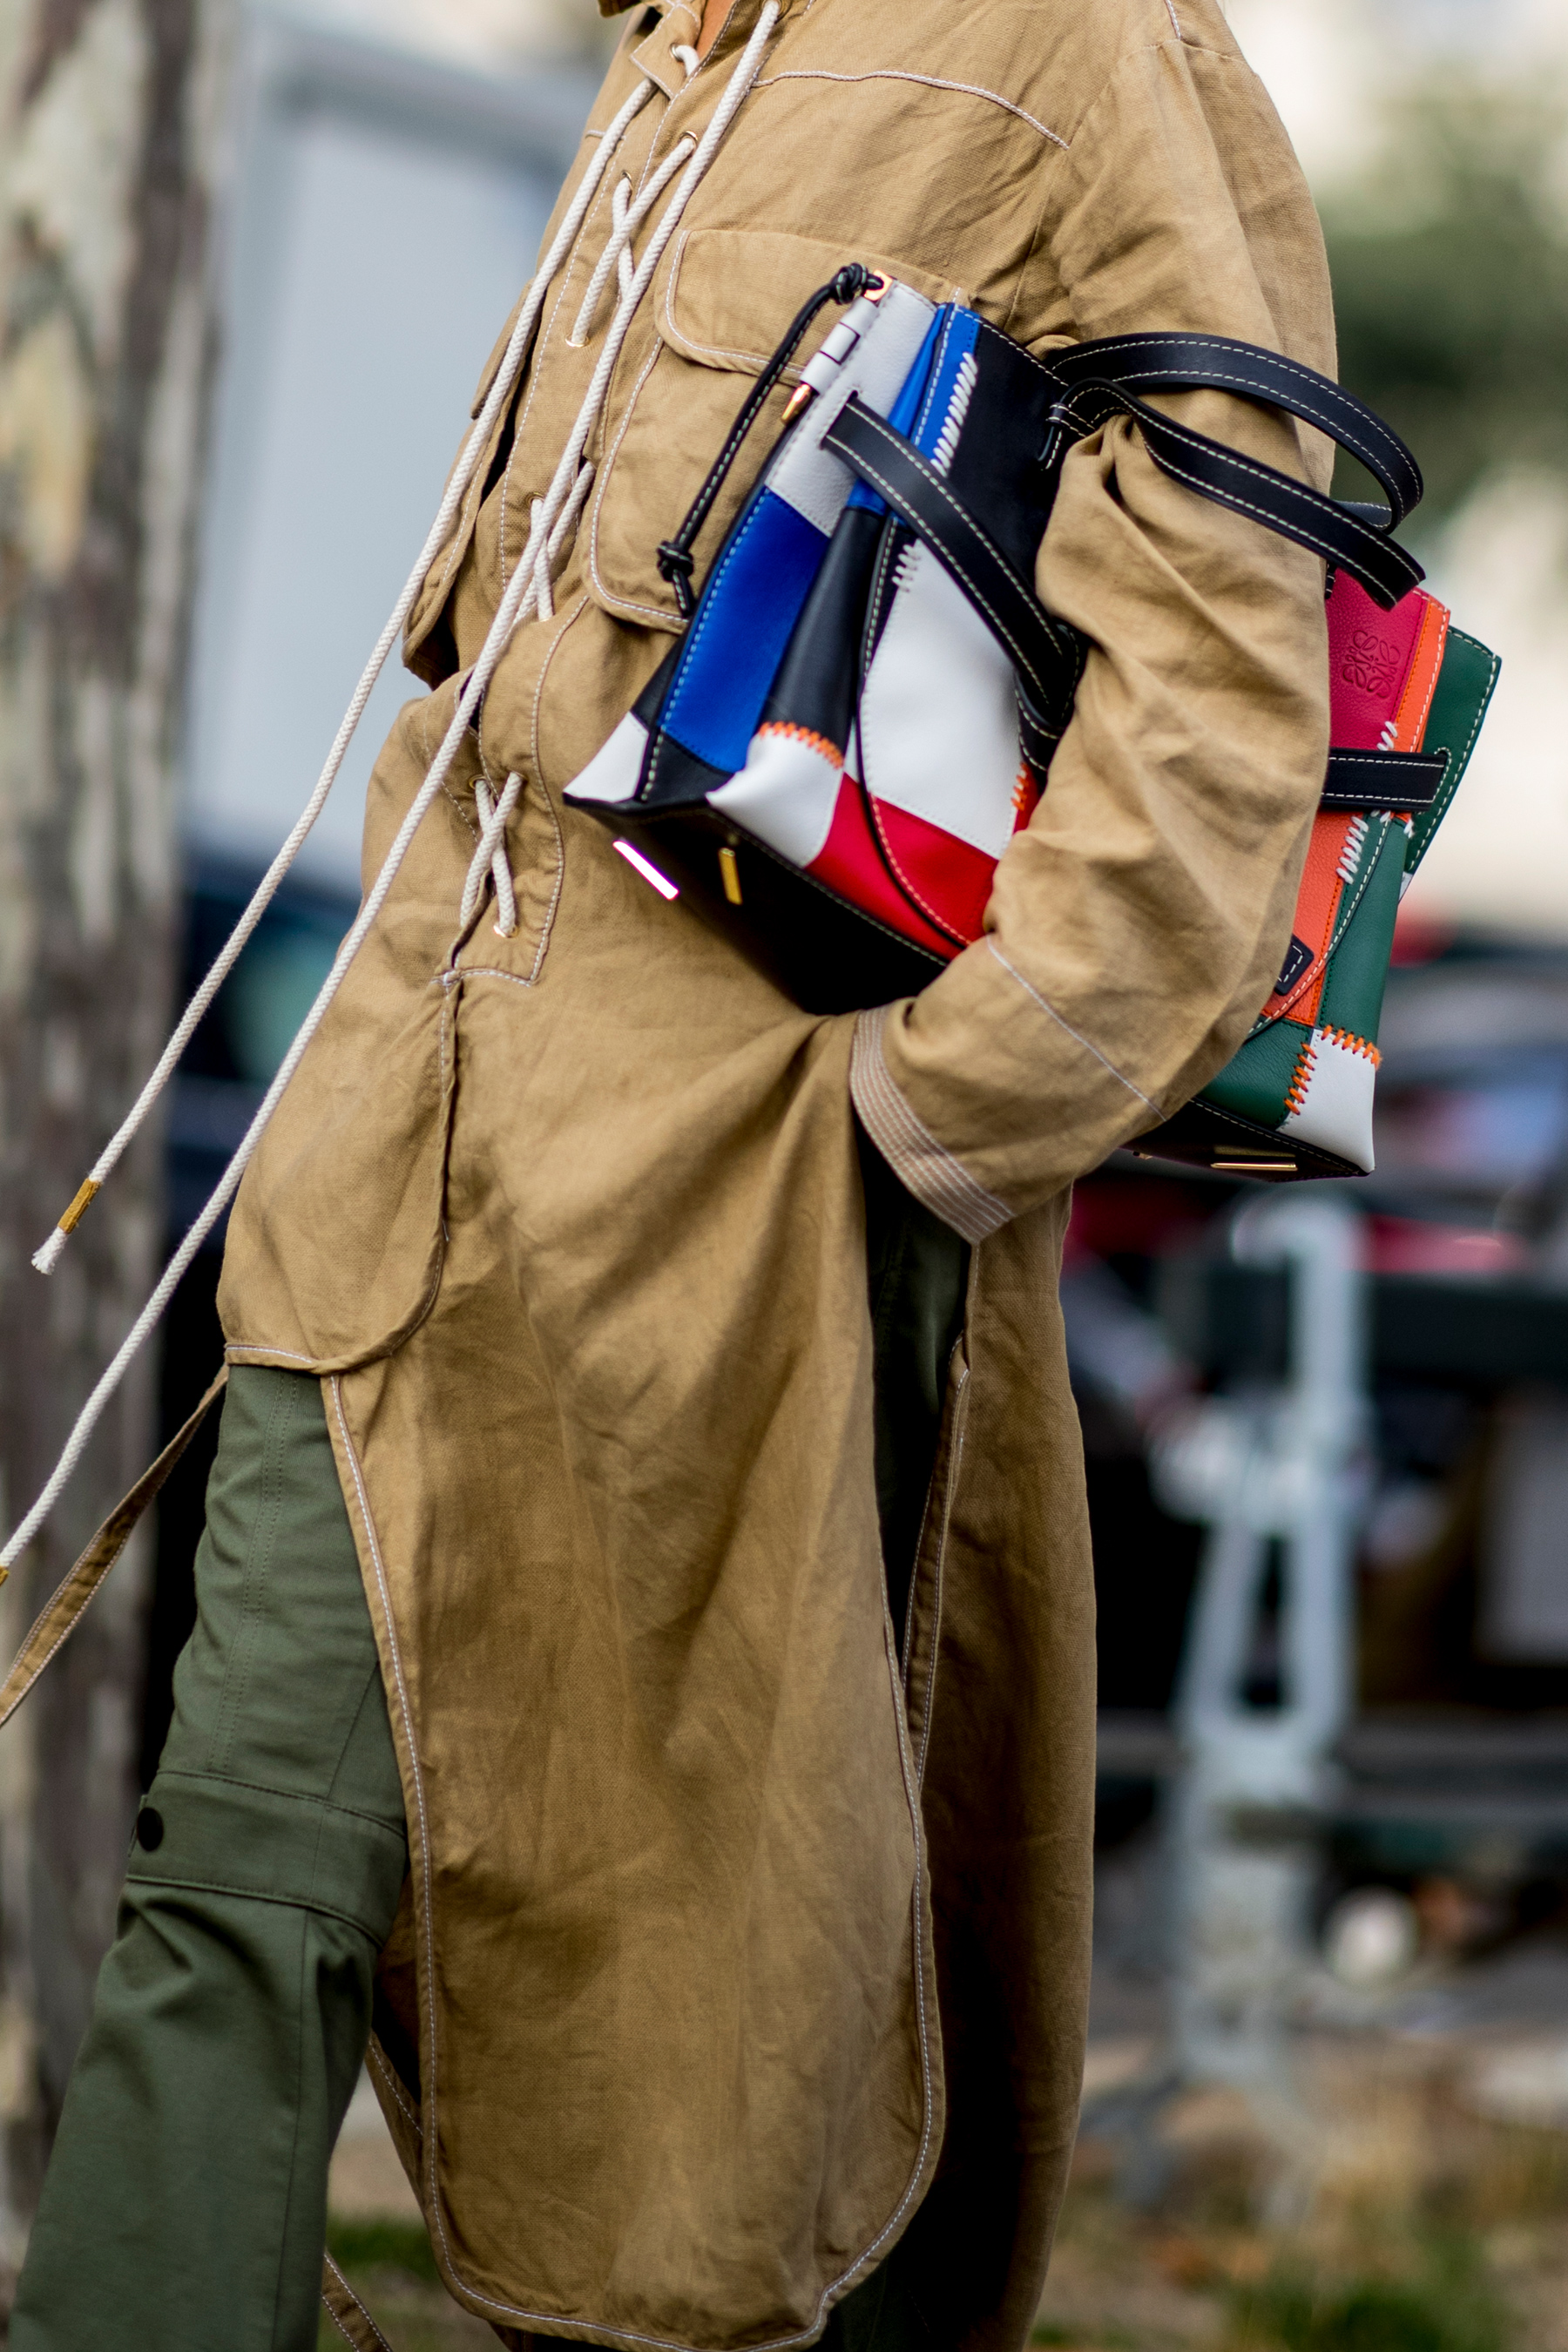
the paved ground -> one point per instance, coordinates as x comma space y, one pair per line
1401, 2185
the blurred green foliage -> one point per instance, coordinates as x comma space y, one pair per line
1078, 2339
1450, 271
1448, 2305
382, 2245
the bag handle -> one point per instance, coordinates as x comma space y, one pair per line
1170, 362
1340, 533
1046, 655
1101, 377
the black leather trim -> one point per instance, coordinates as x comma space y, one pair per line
1298, 962
1385, 779
670, 774
1043, 654
1201, 1134
826, 952
1038, 737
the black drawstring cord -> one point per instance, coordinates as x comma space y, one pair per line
676, 561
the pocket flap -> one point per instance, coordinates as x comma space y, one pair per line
725, 296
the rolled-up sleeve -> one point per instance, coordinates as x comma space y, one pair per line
1139, 921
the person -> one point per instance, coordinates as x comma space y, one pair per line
644, 1664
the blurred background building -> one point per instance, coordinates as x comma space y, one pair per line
1406, 1871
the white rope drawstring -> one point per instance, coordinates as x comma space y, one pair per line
626, 219
594, 399
523, 585
491, 858
48, 1257
544, 570
620, 201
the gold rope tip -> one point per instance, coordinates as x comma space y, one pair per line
79, 1206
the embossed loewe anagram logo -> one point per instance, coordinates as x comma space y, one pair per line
1372, 663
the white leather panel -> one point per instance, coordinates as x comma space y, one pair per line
785, 794
803, 473
939, 716
614, 770
1336, 1110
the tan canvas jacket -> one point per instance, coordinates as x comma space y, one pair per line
739, 1948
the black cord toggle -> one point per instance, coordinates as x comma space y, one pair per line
676, 561
850, 283
677, 564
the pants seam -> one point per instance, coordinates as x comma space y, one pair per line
373, 1682
290, 1796
304, 1905
294, 2147
257, 1560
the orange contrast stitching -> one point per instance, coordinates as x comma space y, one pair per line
1353, 1045
1296, 1093
806, 735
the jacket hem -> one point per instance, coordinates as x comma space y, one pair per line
473, 2298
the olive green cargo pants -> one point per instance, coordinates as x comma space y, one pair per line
185, 2210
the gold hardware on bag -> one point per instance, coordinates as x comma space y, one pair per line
729, 867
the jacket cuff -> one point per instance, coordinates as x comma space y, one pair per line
923, 1166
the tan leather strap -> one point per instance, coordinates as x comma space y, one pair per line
349, 2315
64, 1612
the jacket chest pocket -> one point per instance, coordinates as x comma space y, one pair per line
718, 309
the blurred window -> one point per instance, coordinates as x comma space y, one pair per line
386, 212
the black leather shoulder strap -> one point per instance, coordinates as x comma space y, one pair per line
1171, 363
1247, 486
1046, 655
1099, 379
1341, 535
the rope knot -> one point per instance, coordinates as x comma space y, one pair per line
677, 564
851, 282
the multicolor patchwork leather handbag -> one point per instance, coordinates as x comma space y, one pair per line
1408, 692
865, 704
